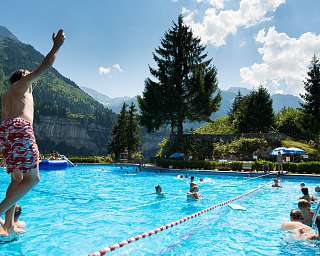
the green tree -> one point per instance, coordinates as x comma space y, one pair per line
234, 106
119, 133
255, 112
289, 122
133, 130
185, 85
311, 97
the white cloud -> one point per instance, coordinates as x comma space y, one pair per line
117, 67
217, 24
285, 61
218, 4
106, 70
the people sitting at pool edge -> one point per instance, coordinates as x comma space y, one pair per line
159, 190
306, 196
194, 191
19, 226
276, 183
295, 224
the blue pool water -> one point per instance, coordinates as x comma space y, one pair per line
83, 209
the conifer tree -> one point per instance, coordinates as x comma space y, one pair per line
311, 97
185, 85
133, 131
255, 112
235, 105
119, 133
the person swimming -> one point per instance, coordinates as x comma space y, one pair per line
158, 190
276, 183
296, 226
193, 193
306, 196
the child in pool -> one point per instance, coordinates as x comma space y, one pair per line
194, 191
159, 190
296, 226
276, 183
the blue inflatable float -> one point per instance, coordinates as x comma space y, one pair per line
53, 165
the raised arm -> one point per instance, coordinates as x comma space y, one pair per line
47, 62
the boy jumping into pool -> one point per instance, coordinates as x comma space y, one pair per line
17, 141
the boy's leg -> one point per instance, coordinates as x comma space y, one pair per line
9, 220
16, 191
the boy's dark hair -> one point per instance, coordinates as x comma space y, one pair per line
302, 203
296, 215
192, 178
16, 76
305, 191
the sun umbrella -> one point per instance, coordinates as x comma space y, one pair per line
176, 155
282, 150
295, 151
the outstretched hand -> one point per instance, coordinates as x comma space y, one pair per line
58, 39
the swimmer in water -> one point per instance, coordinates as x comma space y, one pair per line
317, 189
307, 213
194, 191
159, 190
296, 226
306, 196
276, 183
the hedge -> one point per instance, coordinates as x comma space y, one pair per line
90, 159
303, 167
207, 165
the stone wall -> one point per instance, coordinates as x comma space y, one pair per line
230, 137
79, 137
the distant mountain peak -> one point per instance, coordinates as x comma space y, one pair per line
5, 33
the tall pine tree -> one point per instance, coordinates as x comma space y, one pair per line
311, 104
185, 85
133, 131
235, 106
119, 133
126, 132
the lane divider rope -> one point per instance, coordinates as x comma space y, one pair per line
115, 246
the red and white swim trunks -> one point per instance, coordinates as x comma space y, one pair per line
18, 145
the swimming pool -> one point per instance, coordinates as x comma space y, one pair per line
83, 209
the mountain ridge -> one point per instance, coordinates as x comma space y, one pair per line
228, 95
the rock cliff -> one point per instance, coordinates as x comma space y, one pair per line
70, 136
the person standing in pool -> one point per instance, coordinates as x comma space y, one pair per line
17, 140
280, 162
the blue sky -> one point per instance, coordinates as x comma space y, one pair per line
109, 43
